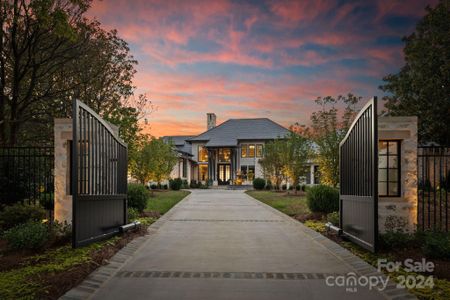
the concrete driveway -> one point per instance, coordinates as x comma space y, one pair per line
219, 244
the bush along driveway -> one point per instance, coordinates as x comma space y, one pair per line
51, 267
396, 246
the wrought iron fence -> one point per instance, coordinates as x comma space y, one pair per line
434, 188
26, 175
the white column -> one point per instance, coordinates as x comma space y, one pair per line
311, 172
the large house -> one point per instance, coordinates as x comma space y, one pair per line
227, 153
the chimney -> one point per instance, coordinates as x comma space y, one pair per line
210, 120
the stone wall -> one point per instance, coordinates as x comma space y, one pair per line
401, 210
63, 199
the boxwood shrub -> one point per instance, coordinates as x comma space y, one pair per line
259, 183
137, 196
175, 184
323, 199
30, 235
13, 215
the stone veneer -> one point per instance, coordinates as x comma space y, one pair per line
403, 209
63, 199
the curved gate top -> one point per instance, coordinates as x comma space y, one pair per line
358, 203
99, 177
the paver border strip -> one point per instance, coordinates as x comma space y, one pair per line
94, 281
360, 267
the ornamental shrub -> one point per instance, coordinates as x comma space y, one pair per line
175, 184
323, 199
269, 185
259, 183
436, 245
333, 218
194, 184
137, 196
30, 235
133, 214
13, 215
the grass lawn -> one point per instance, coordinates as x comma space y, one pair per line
290, 204
162, 201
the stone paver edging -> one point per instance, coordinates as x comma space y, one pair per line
360, 266
101, 275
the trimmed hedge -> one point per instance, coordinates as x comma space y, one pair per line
259, 183
175, 184
137, 196
322, 198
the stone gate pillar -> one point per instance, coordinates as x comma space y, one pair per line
62, 196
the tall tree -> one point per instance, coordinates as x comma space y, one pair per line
329, 126
299, 152
275, 160
154, 160
50, 54
422, 87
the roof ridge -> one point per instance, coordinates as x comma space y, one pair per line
211, 129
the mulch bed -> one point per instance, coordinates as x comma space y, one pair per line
59, 283
441, 267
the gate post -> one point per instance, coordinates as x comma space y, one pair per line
62, 196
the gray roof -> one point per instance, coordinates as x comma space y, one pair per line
180, 143
230, 132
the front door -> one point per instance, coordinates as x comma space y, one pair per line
224, 174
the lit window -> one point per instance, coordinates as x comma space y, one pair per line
251, 150
202, 154
259, 150
224, 155
251, 173
244, 150
203, 172
389, 168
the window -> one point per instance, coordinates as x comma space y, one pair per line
224, 155
248, 172
251, 173
185, 167
251, 151
203, 172
244, 172
202, 154
244, 150
316, 175
259, 150
389, 168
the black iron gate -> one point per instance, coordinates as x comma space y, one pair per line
99, 177
359, 179
433, 164
26, 175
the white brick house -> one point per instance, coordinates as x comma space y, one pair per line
227, 152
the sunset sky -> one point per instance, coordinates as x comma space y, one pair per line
243, 59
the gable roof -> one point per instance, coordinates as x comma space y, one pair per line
230, 132
180, 143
